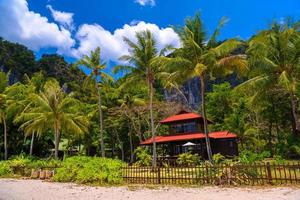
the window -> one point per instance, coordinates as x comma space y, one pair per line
189, 127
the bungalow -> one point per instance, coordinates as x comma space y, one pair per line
186, 133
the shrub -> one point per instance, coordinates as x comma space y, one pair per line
218, 158
45, 164
5, 169
188, 159
20, 165
92, 170
143, 157
294, 151
250, 157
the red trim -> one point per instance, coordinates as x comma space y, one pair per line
222, 134
180, 117
170, 138
191, 136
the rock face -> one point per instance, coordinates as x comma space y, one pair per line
189, 94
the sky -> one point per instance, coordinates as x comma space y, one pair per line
73, 28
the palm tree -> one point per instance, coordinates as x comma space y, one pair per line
3, 86
53, 110
97, 66
275, 64
142, 56
200, 57
18, 97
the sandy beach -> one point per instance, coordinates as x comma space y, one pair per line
13, 189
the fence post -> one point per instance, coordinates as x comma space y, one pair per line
158, 175
269, 172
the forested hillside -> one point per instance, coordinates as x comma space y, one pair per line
19, 60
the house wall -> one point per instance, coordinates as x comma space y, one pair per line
197, 127
227, 147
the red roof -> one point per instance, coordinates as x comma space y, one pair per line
180, 117
222, 134
191, 136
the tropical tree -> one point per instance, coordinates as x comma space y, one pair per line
127, 103
142, 69
94, 63
3, 86
52, 109
202, 57
275, 64
18, 97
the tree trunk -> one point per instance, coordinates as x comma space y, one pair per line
56, 138
31, 144
100, 120
5, 139
121, 146
295, 119
270, 136
113, 143
131, 143
122, 152
208, 147
152, 126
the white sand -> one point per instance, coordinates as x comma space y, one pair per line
42, 190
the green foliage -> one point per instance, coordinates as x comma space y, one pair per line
220, 97
188, 159
294, 151
143, 157
249, 157
21, 165
5, 169
91, 170
218, 158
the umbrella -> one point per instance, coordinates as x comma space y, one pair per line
189, 144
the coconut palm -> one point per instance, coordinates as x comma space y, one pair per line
18, 97
94, 63
53, 110
275, 65
3, 86
143, 69
202, 57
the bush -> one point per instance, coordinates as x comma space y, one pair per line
92, 170
188, 159
218, 158
45, 164
143, 157
250, 157
22, 165
294, 151
5, 169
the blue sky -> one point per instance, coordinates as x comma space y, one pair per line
246, 16
81, 25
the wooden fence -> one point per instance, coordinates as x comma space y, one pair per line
221, 174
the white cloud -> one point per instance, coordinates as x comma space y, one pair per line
63, 18
145, 2
112, 45
18, 24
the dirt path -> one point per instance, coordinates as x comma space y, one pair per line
39, 190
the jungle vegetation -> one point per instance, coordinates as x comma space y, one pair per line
49, 105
